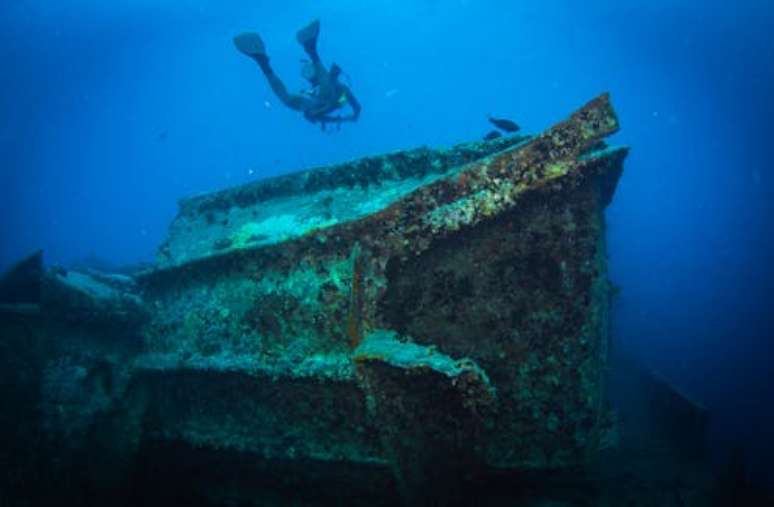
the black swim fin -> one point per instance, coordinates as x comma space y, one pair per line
308, 34
251, 44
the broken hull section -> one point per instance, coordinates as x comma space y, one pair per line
396, 321
465, 313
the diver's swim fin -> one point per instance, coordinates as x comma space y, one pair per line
20, 286
250, 44
308, 34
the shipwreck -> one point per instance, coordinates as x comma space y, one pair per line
379, 331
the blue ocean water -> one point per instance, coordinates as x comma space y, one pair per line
111, 111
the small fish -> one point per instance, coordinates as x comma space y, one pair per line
492, 135
504, 125
163, 136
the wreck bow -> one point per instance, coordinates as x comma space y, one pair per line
408, 313
440, 299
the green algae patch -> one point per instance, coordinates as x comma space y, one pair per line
384, 345
557, 169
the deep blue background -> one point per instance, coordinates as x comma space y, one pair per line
111, 111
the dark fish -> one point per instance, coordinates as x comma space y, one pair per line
163, 136
504, 125
492, 135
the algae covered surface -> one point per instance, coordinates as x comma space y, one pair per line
404, 322
479, 271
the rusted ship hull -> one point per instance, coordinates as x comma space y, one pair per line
406, 318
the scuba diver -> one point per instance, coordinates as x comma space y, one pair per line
326, 95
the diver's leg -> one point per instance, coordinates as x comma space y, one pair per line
307, 37
293, 101
251, 45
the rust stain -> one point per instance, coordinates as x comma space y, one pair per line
355, 317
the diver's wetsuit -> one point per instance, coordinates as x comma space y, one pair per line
328, 94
